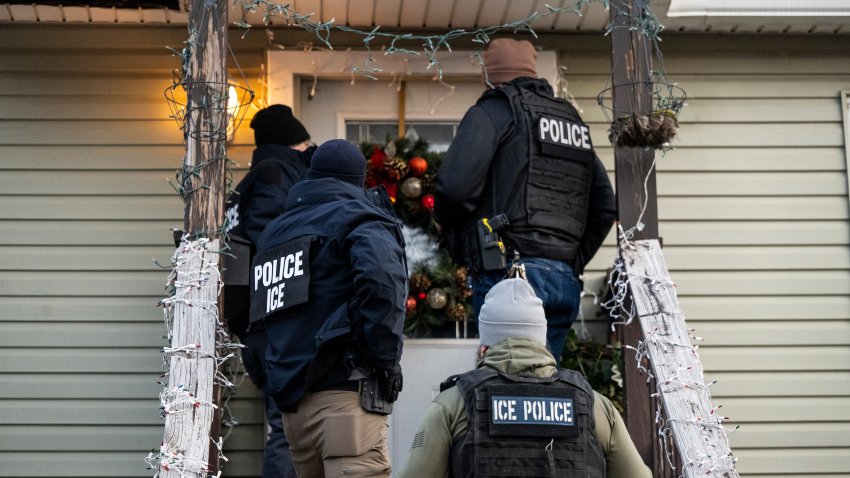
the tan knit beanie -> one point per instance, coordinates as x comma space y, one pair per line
506, 59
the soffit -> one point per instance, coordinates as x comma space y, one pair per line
412, 15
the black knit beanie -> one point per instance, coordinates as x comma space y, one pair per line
338, 159
276, 125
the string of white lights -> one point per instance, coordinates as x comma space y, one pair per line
430, 44
194, 265
677, 378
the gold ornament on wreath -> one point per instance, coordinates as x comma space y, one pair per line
437, 298
396, 168
461, 276
457, 312
411, 188
420, 282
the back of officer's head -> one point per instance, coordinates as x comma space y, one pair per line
338, 159
511, 309
506, 59
277, 125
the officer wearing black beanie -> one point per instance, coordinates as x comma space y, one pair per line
281, 159
277, 125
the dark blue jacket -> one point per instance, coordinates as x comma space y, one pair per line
358, 286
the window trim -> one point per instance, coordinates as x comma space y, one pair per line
845, 116
343, 116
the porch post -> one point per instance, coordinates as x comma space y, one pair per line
192, 397
631, 93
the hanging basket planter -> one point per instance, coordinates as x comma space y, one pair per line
216, 113
648, 127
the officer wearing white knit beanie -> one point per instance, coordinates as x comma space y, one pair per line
513, 362
511, 309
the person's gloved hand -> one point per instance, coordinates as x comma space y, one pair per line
391, 382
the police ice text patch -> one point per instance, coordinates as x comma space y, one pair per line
532, 410
562, 132
280, 278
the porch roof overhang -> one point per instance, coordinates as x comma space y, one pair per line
413, 15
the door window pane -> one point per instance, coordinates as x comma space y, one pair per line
438, 134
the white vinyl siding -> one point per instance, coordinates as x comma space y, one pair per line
86, 149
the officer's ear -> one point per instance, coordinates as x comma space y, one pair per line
482, 349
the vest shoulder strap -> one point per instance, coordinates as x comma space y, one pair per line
575, 379
449, 382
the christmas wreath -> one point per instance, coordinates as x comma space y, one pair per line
439, 294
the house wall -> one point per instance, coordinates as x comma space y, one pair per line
753, 207
86, 149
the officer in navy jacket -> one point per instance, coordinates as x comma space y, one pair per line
330, 283
524, 154
280, 160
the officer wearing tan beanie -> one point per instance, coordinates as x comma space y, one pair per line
521, 173
506, 59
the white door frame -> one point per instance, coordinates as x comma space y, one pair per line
286, 68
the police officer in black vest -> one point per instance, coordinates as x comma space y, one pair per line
521, 179
516, 414
280, 160
330, 283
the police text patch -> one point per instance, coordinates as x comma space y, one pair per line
532, 410
280, 278
562, 132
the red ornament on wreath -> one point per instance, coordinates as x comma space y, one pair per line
417, 165
392, 191
377, 159
428, 202
411, 303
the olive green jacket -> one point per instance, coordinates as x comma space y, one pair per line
445, 419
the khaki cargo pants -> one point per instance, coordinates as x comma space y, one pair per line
332, 436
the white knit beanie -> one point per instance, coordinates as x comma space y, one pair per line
511, 309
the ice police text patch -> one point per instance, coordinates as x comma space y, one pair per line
562, 132
280, 278
532, 410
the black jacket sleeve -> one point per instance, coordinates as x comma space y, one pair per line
268, 197
463, 173
601, 213
380, 291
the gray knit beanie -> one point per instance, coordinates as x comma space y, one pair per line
511, 310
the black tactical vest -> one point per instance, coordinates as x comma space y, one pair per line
527, 426
551, 134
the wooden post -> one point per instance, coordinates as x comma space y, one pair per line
689, 421
189, 400
402, 108
633, 171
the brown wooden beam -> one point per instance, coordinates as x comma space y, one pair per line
636, 195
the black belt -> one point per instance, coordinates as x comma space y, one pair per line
347, 386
